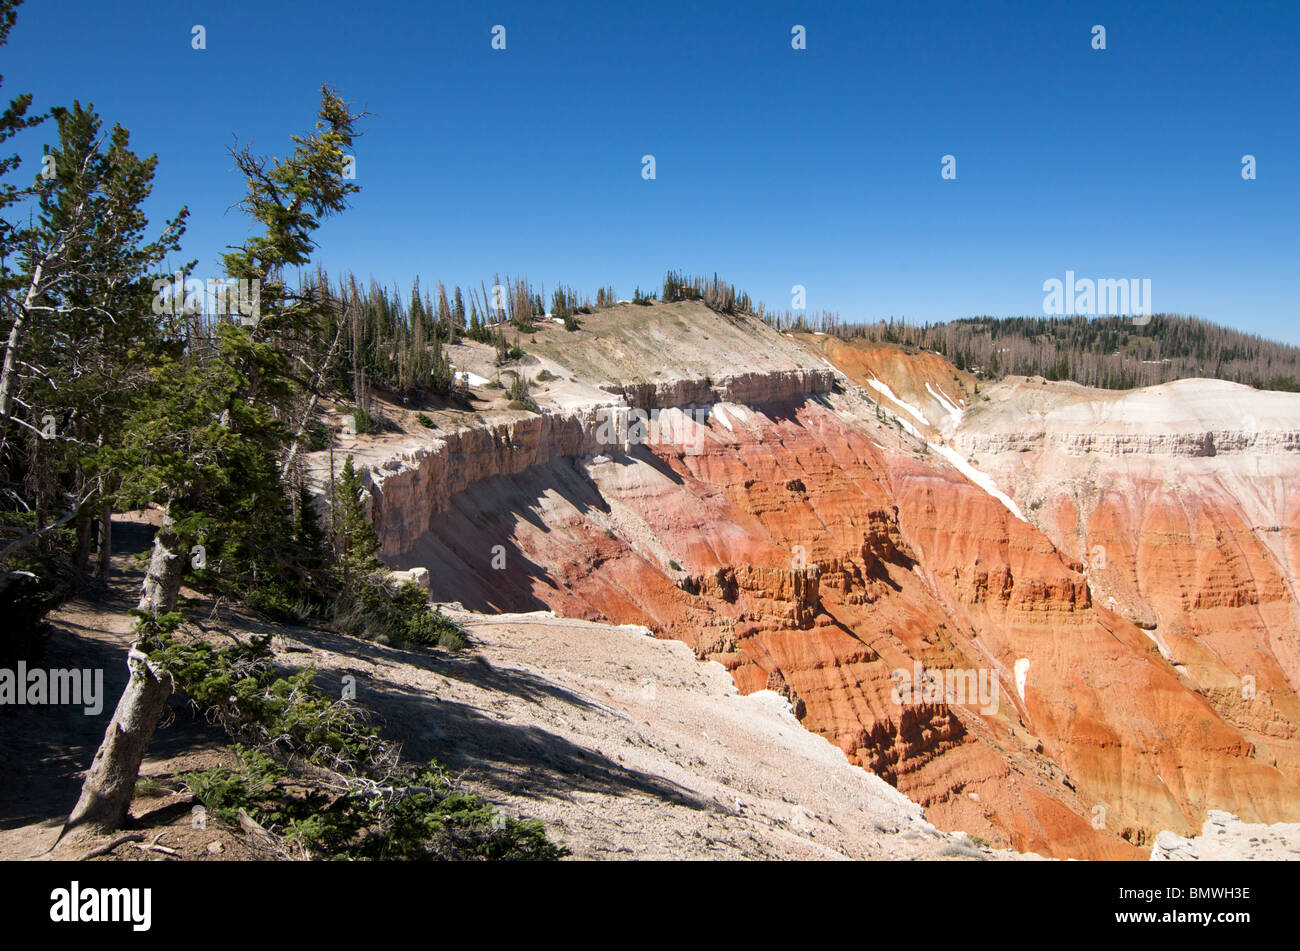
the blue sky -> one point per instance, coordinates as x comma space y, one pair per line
774, 167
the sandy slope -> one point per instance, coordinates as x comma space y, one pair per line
630, 748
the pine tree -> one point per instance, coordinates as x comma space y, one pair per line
204, 445
355, 542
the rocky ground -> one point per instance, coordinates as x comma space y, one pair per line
1224, 837
630, 748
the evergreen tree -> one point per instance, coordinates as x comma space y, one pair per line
355, 542
204, 445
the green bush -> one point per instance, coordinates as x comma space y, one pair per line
420, 816
362, 422
274, 603
371, 808
318, 436
399, 617
425, 421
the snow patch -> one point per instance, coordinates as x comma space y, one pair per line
954, 411
1022, 674
983, 480
1164, 651
884, 388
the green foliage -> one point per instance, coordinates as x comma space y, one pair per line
716, 293
150, 787
318, 436
506, 352
385, 812
241, 688
416, 817
355, 541
78, 329
425, 421
399, 616
275, 603
518, 387
674, 566
362, 422
1111, 352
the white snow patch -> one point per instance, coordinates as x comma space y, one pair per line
721, 415
473, 379
981, 479
1022, 674
884, 388
952, 409
910, 428
1164, 651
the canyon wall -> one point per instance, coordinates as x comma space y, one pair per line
806, 542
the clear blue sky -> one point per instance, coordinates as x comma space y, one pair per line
775, 167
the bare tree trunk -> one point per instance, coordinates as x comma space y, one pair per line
9, 371
317, 378
109, 785
85, 542
162, 582
105, 557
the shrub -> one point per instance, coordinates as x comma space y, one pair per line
425, 421
150, 787
402, 616
272, 602
318, 436
366, 807
362, 422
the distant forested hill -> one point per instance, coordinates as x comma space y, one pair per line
1110, 352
